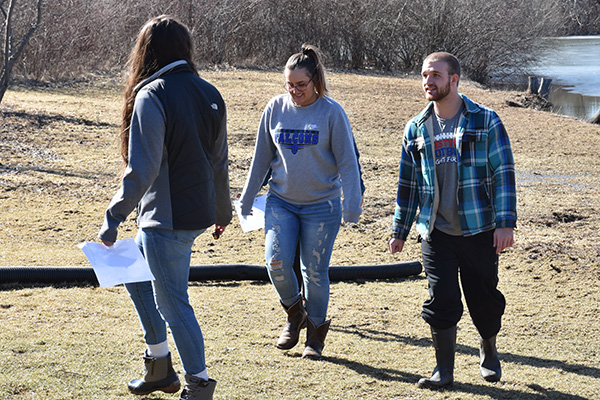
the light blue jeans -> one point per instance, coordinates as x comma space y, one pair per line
315, 227
165, 300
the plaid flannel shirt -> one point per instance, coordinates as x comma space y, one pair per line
486, 189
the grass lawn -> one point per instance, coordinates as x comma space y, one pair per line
59, 166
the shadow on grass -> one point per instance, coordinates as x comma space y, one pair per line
384, 374
496, 392
44, 119
58, 172
536, 362
492, 391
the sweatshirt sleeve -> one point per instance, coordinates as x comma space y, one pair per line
345, 152
264, 152
220, 165
146, 146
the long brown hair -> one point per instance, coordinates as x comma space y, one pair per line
309, 59
161, 41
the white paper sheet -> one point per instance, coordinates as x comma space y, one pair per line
257, 219
120, 263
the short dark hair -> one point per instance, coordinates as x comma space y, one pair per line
450, 60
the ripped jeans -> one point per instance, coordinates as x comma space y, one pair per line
314, 227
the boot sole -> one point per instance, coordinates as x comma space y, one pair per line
425, 384
172, 388
287, 346
311, 354
312, 357
491, 378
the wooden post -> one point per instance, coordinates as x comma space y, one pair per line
545, 86
534, 84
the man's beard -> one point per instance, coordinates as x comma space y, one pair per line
442, 92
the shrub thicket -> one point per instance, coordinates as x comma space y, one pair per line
492, 37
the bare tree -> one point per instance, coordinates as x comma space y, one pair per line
494, 39
12, 46
581, 17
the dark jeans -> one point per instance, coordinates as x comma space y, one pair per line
474, 259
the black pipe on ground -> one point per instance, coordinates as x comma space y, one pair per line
224, 272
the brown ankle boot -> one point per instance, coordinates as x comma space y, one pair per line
158, 375
296, 320
198, 389
315, 339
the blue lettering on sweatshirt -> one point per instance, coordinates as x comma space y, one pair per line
296, 139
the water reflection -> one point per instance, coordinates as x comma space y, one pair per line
573, 104
573, 63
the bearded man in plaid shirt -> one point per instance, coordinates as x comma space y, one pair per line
457, 179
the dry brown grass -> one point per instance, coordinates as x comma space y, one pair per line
58, 166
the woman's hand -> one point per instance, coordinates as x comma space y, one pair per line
218, 231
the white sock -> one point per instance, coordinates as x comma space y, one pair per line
159, 350
202, 375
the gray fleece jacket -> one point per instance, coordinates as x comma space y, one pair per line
311, 153
177, 175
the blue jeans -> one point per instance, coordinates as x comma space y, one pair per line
165, 300
314, 227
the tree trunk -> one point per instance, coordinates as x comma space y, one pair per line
3, 88
9, 52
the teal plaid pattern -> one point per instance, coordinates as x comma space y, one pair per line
486, 190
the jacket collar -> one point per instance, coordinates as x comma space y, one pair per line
470, 107
163, 71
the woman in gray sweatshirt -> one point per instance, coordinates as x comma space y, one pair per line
305, 139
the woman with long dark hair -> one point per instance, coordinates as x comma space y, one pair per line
174, 148
305, 140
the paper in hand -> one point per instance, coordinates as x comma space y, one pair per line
120, 263
257, 219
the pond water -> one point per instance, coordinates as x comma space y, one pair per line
573, 64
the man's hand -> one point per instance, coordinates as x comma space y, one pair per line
107, 243
396, 245
503, 239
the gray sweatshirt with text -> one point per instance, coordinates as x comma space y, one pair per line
311, 153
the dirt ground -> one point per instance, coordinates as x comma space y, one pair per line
59, 163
